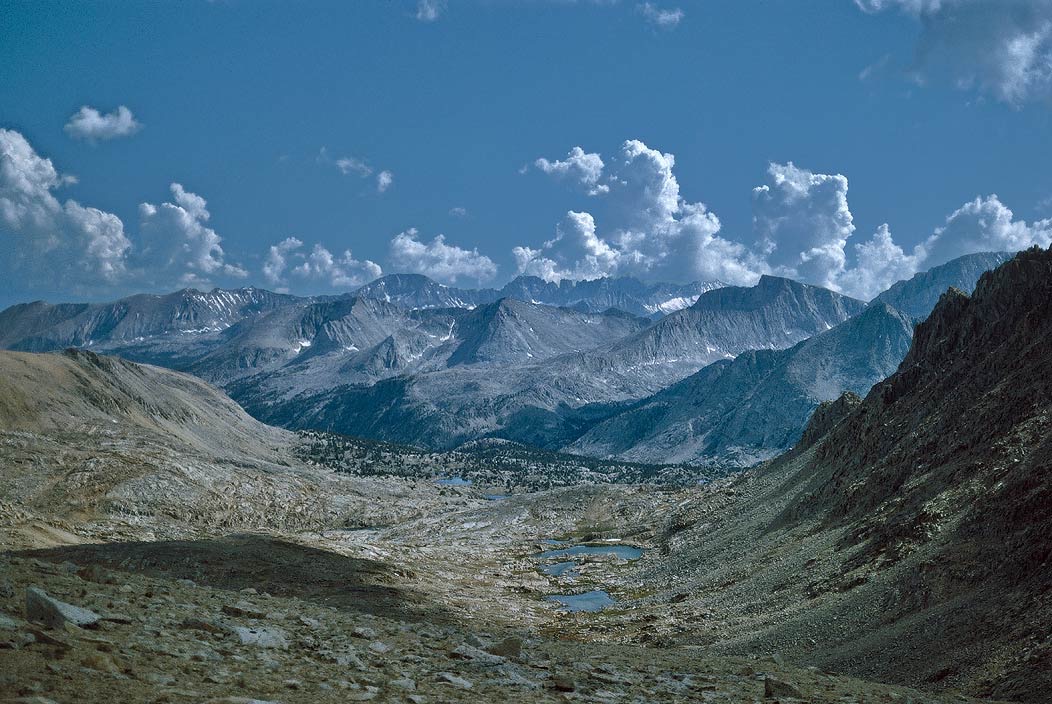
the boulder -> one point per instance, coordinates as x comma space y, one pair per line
54, 613
561, 683
507, 648
774, 688
470, 652
262, 637
450, 678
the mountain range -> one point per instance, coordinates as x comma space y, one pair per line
753, 407
727, 379
540, 399
631, 295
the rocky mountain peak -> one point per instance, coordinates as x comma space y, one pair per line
770, 289
918, 295
963, 405
826, 417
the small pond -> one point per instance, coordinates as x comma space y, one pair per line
595, 600
592, 601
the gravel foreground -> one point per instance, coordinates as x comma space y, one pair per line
321, 627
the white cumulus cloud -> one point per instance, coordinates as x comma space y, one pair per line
656, 233
984, 225
438, 260
51, 242
285, 261
1001, 47
91, 125
583, 167
576, 252
879, 263
802, 223
179, 242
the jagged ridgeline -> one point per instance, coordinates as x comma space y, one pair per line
909, 537
702, 374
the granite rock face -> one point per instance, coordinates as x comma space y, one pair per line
754, 407
918, 295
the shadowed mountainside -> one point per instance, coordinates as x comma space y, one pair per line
912, 541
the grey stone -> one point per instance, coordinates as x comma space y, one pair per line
378, 646
470, 652
243, 609
450, 678
54, 613
9, 624
561, 683
507, 648
269, 637
774, 688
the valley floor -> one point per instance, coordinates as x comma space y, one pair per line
446, 606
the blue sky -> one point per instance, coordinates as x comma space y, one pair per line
278, 119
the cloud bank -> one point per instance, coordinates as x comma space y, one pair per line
438, 260
803, 228
52, 242
286, 261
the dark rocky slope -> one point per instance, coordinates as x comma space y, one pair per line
912, 542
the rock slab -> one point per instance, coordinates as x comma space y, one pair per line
54, 613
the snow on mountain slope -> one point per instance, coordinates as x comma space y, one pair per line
552, 401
